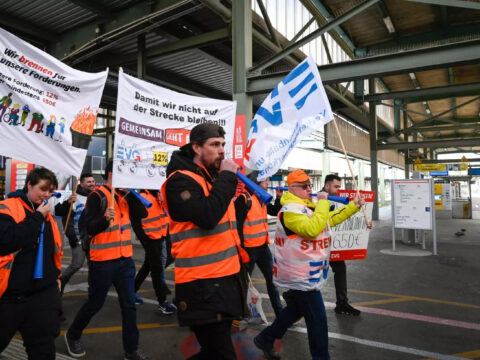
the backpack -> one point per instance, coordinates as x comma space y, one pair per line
85, 238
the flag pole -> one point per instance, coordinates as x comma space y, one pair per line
70, 209
368, 223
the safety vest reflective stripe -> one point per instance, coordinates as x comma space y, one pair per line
257, 235
155, 229
147, 221
110, 245
255, 227
2, 206
204, 253
206, 259
8, 265
196, 233
251, 223
115, 241
155, 225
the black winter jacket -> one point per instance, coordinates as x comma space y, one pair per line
206, 300
24, 237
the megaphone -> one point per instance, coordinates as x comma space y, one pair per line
144, 201
255, 188
339, 199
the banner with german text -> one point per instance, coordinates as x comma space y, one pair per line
47, 109
152, 122
350, 238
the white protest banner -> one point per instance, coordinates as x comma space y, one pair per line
350, 238
152, 122
297, 106
47, 109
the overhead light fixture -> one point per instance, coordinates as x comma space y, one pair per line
389, 24
412, 76
428, 111
424, 103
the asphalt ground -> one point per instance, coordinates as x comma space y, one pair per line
413, 307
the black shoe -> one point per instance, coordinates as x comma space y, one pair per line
136, 355
269, 353
347, 309
74, 347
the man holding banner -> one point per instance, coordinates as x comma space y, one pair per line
205, 244
339, 268
302, 252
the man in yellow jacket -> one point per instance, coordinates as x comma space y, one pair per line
302, 251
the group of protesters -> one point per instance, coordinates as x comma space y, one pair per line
216, 235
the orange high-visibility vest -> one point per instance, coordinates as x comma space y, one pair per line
204, 253
15, 208
255, 227
155, 225
115, 241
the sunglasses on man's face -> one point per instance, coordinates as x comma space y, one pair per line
304, 186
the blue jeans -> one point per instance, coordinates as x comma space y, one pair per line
262, 256
102, 274
307, 304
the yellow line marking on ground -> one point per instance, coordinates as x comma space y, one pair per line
381, 302
467, 355
119, 328
145, 290
454, 303
75, 294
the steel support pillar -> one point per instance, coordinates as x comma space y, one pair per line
373, 148
407, 152
242, 57
141, 56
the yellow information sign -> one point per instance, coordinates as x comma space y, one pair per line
442, 167
160, 158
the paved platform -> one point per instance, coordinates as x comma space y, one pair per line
413, 307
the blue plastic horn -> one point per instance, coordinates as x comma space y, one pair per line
144, 201
339, 199
57, 194
255, 188
38, 269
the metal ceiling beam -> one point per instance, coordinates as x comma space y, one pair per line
450, 127
430, 144
427, 94
120, 22
93, 7
305, 40
466, 52
455, 136
454, 3
445, 161
266, 18
327, 17
428, 39
25, 27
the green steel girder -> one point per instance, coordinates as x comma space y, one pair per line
426, 94
444, 161
168, 48
93, 7
337, 32
451, 127
75, 38
460, 120
455, 136
327, 27
408, 42
466, 52
431, 144
455, 3
38, 32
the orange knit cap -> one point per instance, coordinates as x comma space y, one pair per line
297, 176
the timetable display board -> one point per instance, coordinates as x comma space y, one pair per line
413, 204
